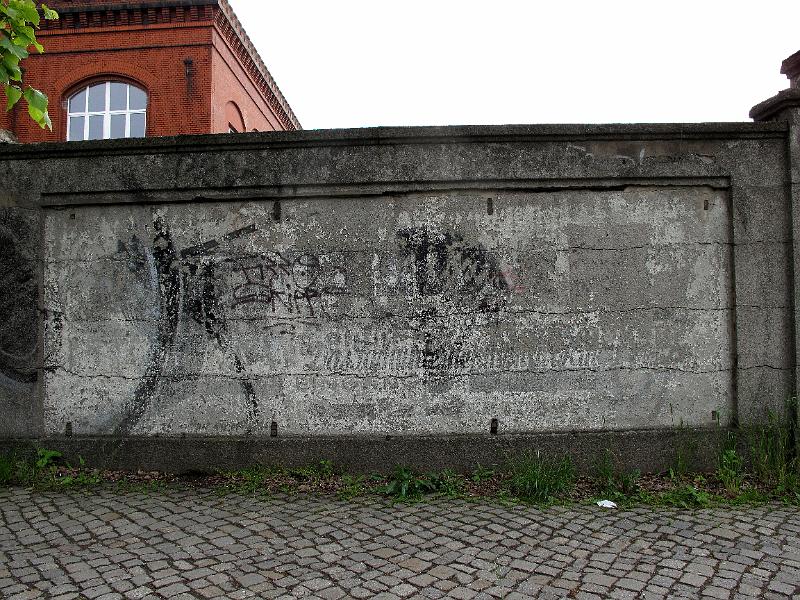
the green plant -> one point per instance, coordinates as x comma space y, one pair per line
18, 21
683, 458
246, 482
447, 483
40, 470
730, 470
750, 496
80, 477
325, 469
18, 470
540, 481
352, 486
482, 474
8, 469
605, 474
774, 452
629, 483
685, 496
321, 471
405, 484
612, 484
45, 459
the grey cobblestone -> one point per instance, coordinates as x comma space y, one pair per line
190, 544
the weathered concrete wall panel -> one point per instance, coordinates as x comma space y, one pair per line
410, 313
413, 283
19, 321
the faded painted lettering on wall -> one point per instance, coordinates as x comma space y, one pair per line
406, 314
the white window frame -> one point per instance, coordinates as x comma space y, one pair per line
107, 113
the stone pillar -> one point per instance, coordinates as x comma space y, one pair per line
785, 107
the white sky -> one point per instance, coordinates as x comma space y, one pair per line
361, 63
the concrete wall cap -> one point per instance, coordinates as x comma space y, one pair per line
455, 134
770, 108
791, 67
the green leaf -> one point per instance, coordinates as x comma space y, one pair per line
11, 64
37, 107
12, 14
36, 114
27, 9
49, 13
36, 99
18, 18
13, 93
21, 40
25, 31
26, 36
9, 47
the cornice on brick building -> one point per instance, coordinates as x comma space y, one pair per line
237, 37
79, 14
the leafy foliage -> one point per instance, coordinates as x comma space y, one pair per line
44, 470
685, 496
246, 482
481, 473
774, 452
352, 487
405, 484
613, 484
321, 471
730, 471
447, 483
540, 481
18, 22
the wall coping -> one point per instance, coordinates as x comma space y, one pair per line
374, 136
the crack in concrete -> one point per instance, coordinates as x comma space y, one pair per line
389, 315
421, 374
227, 256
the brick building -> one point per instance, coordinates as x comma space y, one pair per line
148, 67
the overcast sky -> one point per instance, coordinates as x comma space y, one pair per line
360, 63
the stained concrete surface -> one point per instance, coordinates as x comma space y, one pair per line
403, 282
407, 314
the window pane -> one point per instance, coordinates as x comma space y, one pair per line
76, 128
95, 126
78, 102
137, 124
138, 99
97, 98
117, 126
119, 96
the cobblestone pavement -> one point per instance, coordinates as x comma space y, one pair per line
190, 544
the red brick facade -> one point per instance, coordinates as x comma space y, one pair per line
192, 57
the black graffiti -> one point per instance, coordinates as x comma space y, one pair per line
282, 282
186, 286
445, 264
451, 276
169, 286
211, 245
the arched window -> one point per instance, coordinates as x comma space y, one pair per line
107, 110
234, 117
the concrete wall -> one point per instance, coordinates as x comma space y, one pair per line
400, 282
